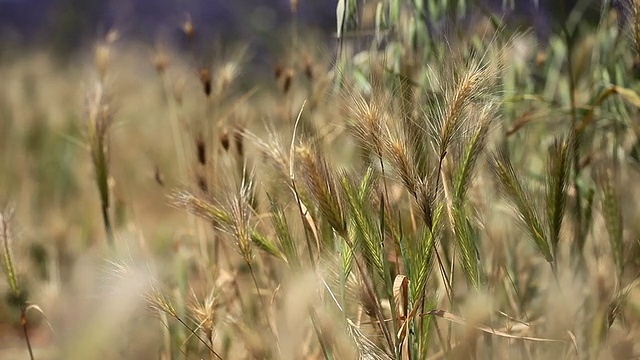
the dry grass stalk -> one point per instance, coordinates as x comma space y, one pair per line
99, 122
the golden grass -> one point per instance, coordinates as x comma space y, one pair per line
398, 205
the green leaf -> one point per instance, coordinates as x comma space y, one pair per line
340, 12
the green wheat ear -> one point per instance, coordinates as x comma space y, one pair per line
557, 182
612, 213
18, 296
7, 259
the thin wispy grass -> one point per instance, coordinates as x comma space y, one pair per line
99, 122
466, 235
510, 185
232, 219
367, 239
159, 303
321, 185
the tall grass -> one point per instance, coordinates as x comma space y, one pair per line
428, 193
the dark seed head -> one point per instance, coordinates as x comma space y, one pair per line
201, 150
238, 139
188, 29
288, 78
277, 71
158, 176
202, 183
205, 79
224, 140
308, 69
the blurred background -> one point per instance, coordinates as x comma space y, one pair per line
45, 167
65, 25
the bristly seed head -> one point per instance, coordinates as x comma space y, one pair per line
204, 311
321, 185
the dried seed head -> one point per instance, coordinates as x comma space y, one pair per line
271, 149
277, 71
238, 138
205, 79
161, 62
629, 19
188, 29
541, 58
201, 150
102, 60
294, 6
102, 53
226, 75
204, 311
322, 186
368, 122
288, 78
202, 183
397, 151
308, 67
224, 139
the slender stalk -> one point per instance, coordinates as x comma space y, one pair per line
387, 276
23, 322
574, 124
106, 218
306, 230
195, 333
264, 305
440, 263
371, 293
324, 346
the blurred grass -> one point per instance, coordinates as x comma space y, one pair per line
459, 194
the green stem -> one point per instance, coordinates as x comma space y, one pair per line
264, 305
575, 143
